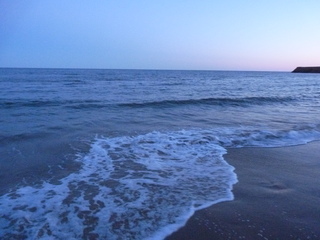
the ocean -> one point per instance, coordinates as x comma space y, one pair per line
132, 154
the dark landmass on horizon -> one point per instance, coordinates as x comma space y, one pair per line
307, 70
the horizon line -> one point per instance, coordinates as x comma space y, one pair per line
144, 69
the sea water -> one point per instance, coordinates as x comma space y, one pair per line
131, 154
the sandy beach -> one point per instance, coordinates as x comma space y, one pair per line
277, 197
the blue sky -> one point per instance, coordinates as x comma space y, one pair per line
210, 35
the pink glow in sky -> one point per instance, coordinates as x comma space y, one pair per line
213, 35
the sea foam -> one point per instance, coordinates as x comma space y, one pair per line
139, 187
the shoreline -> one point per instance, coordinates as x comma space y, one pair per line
277, 197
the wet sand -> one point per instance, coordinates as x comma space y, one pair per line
277, 197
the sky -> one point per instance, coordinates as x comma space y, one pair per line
271, 35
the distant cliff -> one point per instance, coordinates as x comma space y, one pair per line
307, 70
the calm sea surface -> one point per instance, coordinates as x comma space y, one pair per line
131, 154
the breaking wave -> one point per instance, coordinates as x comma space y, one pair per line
137, 187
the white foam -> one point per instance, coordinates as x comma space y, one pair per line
128, 188
141, 187
250, 137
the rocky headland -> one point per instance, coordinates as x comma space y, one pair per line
307, 70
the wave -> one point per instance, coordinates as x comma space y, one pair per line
48, 103
251, 137
96, 104
128, 188
237, 102
137, 187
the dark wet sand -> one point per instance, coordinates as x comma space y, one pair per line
277, 197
